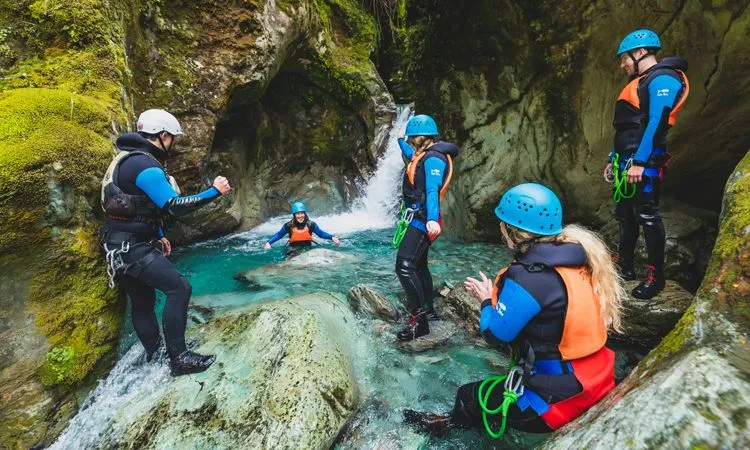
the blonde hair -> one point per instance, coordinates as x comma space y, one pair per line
420, 143
604, 276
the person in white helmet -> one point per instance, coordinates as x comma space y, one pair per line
137, 195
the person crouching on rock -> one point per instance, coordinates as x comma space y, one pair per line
554, 305
300, 230
137, 194
425, 182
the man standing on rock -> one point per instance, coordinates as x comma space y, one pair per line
137, 194
645, 110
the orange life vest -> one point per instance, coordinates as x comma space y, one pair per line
584, 332
630, 94
582, 344
303, 234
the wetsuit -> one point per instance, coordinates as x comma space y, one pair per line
545, 307
645, 110
143, 176
424, 184
300, 235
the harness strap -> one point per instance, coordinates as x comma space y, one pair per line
135, 269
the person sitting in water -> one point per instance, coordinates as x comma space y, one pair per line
300, 230
554, 305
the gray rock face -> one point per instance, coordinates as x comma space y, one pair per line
648, 321
522, 112
372, 303
283, 379
280, 98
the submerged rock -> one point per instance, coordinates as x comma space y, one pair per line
441, 331
262, 277
282, 379
372, 303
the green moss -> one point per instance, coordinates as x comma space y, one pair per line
74, 309
350, 37
39, 129
672, 343
727, 280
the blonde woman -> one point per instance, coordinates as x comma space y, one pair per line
554, 305
424, 184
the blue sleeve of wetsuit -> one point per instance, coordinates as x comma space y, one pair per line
434, 169
515, 308
159, 233
406, 149
662, 94
279, 234
316, 229
153, 181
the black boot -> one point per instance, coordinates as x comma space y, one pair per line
427, 422
416, 327
188, 362
625, 268
653, 284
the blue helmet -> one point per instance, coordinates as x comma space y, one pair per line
531, 207
639, 39
421, 125
298, 207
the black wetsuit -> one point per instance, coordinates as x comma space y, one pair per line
423, 197
147, 268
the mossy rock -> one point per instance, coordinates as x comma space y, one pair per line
46, 133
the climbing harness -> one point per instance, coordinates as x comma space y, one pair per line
407, 214
114, 260
513, 388
620, 179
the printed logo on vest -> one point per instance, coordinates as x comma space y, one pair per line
501, 308
435, 172
662, 92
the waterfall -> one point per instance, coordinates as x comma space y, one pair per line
376, 208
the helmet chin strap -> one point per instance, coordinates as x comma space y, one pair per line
164, 148
636, 62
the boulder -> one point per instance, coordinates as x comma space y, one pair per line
282, 379
441, 331
372, 303
460, 307
646, 322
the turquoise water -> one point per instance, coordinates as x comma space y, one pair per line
390, 379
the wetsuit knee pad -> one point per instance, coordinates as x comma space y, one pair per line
405, 266
649, 216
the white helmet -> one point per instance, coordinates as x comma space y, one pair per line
154, 121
